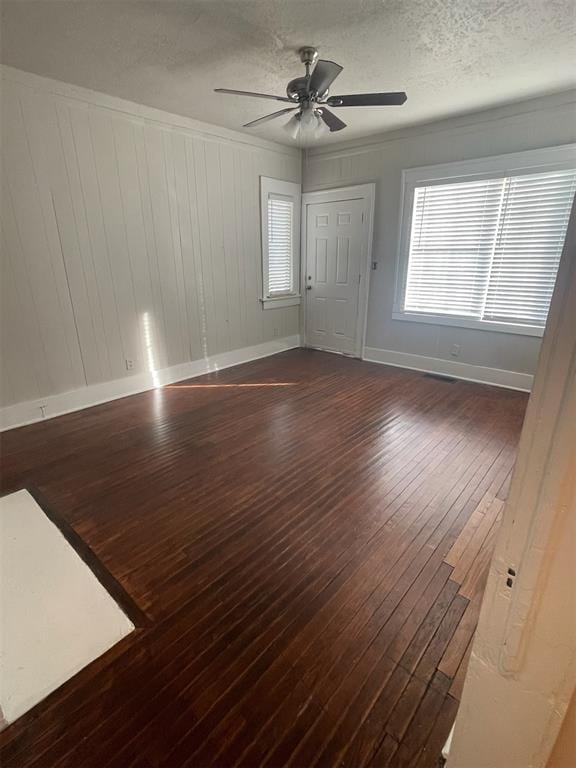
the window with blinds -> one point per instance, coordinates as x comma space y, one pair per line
280, 220
280, 244
488, 250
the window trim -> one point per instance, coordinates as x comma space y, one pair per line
270, 186
518, 163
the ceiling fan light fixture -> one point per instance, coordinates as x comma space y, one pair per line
305, 125
321, 128
308, 121
292, 127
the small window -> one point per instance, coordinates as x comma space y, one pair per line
484, 252
280, 210
280, 245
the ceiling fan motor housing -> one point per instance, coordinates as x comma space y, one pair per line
297, 88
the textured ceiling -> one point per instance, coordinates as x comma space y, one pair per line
451, 56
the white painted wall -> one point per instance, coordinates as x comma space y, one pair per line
127, 234
562, 755
544, 122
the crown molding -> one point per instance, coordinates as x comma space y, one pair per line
560, 101
207, 131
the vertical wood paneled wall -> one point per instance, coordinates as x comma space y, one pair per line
125, 237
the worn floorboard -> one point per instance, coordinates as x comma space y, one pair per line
309, 553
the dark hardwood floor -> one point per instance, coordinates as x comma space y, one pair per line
308, 536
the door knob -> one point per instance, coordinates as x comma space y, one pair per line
308, 287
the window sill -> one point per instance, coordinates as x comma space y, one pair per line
463, 322
277, 302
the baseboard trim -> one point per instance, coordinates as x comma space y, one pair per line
31, 411
477, 373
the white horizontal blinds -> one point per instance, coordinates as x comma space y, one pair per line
451, 247
528, 247
280, 244
489, 249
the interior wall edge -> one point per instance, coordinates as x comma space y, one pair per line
30, 412
477, 373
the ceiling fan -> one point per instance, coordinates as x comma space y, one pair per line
309, 95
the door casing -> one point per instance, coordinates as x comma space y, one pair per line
367, 193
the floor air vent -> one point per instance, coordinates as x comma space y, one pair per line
440, 377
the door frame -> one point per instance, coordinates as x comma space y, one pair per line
367, 193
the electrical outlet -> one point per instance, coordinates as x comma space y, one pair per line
455, 350
129, 365
276, 332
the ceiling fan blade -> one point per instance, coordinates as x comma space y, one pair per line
323, 75
270, 117
368, 99
257, 95
333, 122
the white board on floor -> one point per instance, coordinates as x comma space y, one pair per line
55, 616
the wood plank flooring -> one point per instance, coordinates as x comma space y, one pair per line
308, 536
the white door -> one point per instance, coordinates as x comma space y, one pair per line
334, 240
